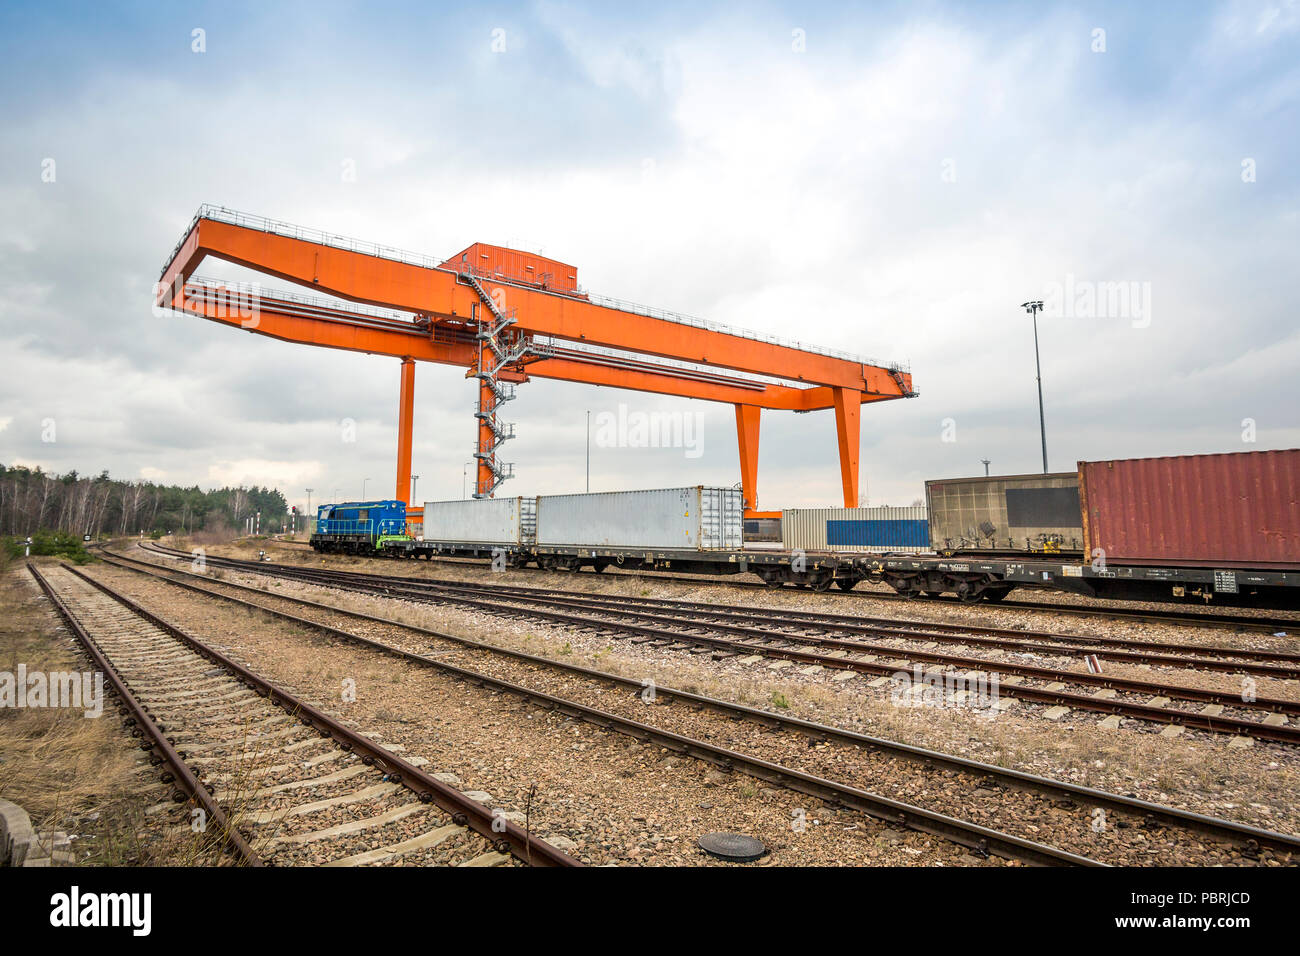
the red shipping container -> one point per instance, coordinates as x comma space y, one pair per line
1238, 510
511, 265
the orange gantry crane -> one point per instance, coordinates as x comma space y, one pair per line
507, 316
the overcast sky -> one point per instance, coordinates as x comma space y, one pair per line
892, 181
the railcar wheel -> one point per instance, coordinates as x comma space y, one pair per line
904, 587
821, 582
846, 584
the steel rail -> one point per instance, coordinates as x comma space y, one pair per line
1189, 618
840, 623
1284, 733
885, 626
1243, 834
505, 836
157, 743
930, 629
1181, 692
973, 836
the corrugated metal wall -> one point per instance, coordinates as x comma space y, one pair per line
1005, 512
1237, 509
692, 518
882, 528
480, 520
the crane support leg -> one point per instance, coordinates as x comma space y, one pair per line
848, 428
747, 420
405, 426
487, 439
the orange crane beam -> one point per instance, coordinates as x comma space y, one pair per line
286, 321
450, 304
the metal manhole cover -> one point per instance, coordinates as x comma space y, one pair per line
735, 847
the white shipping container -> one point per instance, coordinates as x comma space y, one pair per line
683, 519
491, 521
883, 528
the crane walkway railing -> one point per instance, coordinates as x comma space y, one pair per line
378, 250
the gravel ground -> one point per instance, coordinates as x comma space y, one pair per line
609, 798
1167, 680
1126, 839
826, 639
85, 784
1066, 826
649, 585
1196, 771
275, 777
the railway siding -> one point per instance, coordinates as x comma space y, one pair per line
1067, 816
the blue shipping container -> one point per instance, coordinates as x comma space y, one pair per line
879, 533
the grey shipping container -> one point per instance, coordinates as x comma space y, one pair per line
1016, 513
493, 521
883, 528
690, 519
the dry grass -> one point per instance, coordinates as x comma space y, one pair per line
69, 772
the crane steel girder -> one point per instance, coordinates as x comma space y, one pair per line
446, 304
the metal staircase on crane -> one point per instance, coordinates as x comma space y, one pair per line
499, 347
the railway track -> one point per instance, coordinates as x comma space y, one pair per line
268, 778
1068, 811
1263, 663
809, 642
1266, 663
1271, 625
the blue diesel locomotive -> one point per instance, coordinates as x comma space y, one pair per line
359, 527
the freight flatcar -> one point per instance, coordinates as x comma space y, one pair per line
1216, 528
358, 527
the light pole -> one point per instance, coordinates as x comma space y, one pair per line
464, 480
1033, 308
307, 516
589, 449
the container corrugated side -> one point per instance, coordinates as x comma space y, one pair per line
491, 521
1239, 509
882, 528
690, 519
1005, 513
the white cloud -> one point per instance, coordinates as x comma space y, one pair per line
794, 194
